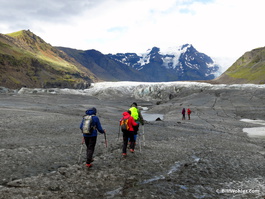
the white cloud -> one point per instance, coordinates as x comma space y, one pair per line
218, 28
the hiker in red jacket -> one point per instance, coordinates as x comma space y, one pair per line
127, 123
189, 112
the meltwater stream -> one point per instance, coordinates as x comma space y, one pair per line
150, 116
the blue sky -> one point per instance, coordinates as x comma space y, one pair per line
222, 29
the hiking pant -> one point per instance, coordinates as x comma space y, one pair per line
136, 129
128, 135
183, 116
90, 147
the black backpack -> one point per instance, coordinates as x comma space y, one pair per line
88, 128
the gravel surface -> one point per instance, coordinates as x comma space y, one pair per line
208, 156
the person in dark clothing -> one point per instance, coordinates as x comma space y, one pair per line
183, 114
91, 139
128, 134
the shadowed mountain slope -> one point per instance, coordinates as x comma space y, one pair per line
104, 67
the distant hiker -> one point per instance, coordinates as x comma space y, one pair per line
137, 116
189, 112
89, 126
183, 113
127, 124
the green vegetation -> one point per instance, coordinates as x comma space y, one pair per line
250, 67
16, 34
249, 73
42, 51
30, 61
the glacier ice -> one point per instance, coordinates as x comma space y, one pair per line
142, 90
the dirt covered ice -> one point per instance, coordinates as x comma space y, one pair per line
204, 157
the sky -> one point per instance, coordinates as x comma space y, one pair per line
222, 29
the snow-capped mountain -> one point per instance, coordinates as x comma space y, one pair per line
175, 63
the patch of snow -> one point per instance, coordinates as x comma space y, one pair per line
170, 56
261, 122
255, 131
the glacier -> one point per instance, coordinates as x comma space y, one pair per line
143, 90
210, 148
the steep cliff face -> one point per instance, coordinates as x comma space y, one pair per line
28, 61
249, 68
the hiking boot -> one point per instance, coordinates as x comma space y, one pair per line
132, 150
89, 165
124, 155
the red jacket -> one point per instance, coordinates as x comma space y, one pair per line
131, 121
189, 111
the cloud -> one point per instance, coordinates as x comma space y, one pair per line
49, 10
218, 28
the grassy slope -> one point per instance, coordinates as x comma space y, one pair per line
249, 68
41, 50
27, 60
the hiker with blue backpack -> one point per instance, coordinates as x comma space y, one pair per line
89, 127
127, 125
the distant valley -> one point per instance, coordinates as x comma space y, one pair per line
26, 60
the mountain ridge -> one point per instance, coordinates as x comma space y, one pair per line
182, 63
28, 61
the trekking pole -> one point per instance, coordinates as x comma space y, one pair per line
119, 133
140, 142
82, 144
143, 136
106, 142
